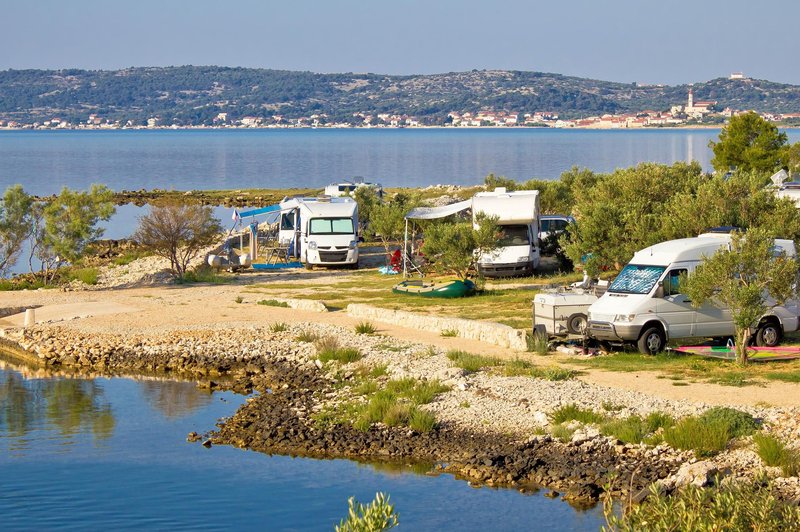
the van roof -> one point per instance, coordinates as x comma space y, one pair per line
689, 249
521, 206
323, 206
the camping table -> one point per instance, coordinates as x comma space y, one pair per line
277, 254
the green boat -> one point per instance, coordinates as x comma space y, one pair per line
446, 289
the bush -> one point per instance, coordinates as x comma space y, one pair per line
421, 421
470, 362
743, 506
365, 327
449, 333
738, 423
537, 343
307, 336
84, 275
572, 412
273, 303
376, 516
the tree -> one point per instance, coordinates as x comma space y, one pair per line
456, 247
367, 199
747, 278
388, 223
749, 143
15, 225
177, 233
70, 224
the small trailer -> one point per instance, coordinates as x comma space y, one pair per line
563, 312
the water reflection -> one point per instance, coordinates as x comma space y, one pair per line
174, 399
69, 407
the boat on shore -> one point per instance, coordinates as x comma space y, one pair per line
445, 289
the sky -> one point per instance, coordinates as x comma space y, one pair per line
645, 41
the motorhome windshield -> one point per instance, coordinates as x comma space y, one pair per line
636, 279
331, 226
514, 235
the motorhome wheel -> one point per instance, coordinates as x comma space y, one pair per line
768, 334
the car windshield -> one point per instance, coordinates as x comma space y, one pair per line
331, 226
636, 279
514, 235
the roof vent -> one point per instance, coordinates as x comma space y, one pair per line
500, 190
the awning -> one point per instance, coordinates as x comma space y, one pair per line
431, 213
262, 210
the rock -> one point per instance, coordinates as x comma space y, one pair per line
193, 437
207, 443
700, 474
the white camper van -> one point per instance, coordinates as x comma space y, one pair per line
643, 304
518, 217
320, 231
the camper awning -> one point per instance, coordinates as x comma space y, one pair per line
431, 213
262, 210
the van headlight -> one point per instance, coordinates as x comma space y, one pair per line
312, 244
523, 259
352, 244
624, 318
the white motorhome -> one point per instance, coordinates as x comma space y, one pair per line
517, 215
348, 188
643, 304
320, 231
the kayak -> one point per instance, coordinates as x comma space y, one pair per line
756, 354
445, 289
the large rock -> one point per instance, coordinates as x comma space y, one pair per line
700, 474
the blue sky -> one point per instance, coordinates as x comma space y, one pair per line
648, 41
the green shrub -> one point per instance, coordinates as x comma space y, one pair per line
84, 275
376, 516
307, 336
562, 433
629, 430
274, 303
738, 423
470, 362
537, 343
572, 412
741, 506
344, 355
365, 327
449, 333
774, 452
278, 326
705, 438
421, 420
658, 420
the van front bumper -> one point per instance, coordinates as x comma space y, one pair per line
508, 269
610, 332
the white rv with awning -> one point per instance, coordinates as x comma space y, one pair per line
517, 216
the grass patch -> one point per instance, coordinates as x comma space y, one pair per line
734, 378
278, 326
365, 327
345, 355
205, 274
469, 361
783, 376
396, 404
572, 412
562, 433
705, 439
739, 423
634, 429
307, 336
130, 256
421, 420
739, 506
775, 453
537, 343
449, 333
556, 373
85, 275
273, 303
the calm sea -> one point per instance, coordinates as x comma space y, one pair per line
110, 454
45, 161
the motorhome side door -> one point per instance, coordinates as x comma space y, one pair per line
675, 308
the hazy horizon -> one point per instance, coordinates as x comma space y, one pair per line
625, 41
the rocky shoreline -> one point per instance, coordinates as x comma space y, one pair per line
497, 441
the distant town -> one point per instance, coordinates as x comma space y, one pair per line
691, 113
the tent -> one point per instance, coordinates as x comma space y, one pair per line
430, 213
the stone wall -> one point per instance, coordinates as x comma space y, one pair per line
493, 333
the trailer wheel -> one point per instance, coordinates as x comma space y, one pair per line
651, 341
576, 324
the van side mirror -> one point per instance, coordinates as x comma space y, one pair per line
659, 290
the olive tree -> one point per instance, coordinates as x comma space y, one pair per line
387, 222
747, 278
178, 233
456, 247
15, 225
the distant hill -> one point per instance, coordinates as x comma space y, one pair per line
196, 94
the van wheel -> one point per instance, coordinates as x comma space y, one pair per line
768, 334
576, 324
309, 266
651, 341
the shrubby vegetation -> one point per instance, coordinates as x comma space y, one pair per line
374, 517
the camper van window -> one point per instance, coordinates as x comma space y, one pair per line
636, 279
514, 235
331, 226
673, 281
287, 221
